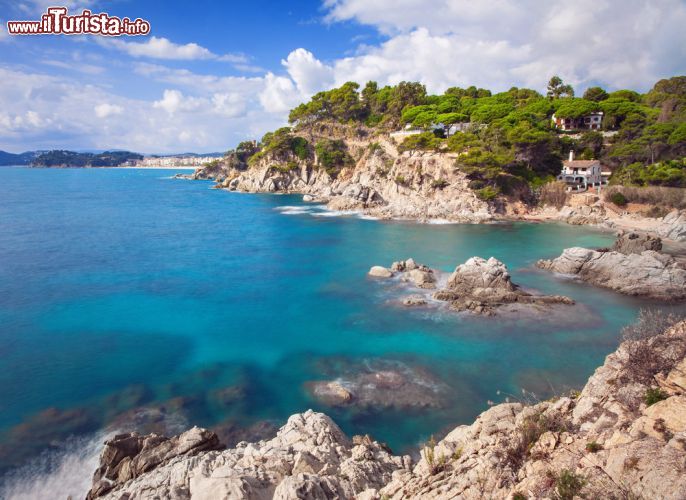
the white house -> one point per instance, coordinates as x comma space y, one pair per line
592, 121
579, 175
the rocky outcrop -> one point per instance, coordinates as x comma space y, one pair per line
409, 271
632, 242
584, 215
622, 436
648, 274
482, 286
673, 226
478, 286
127, 456
310, 457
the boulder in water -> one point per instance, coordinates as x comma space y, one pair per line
380, 272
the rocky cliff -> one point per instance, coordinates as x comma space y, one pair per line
380, 181
622, 436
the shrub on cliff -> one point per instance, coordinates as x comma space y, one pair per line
487, 193
425, 141
568, 485
654, 395
650, 324
618, 199
332, 155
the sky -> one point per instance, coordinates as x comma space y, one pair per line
211, 74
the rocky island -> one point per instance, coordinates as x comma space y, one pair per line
479, 286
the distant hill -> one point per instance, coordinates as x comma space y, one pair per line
17, 159
62, 158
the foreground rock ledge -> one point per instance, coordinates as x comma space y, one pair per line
604, 443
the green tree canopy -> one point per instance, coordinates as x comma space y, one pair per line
595, 94
576, 108
557, 88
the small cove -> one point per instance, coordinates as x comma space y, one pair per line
127, 289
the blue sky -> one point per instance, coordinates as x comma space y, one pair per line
213, 73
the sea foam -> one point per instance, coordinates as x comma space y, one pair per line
60, 473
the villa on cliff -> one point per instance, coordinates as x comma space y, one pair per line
579, 175
591, 121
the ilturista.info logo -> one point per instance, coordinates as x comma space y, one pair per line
57, 21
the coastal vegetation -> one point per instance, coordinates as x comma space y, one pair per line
654, 196
507, 143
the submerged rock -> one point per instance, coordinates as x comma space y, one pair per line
648, 274
414, 300
380, 384
43, 431
331, 393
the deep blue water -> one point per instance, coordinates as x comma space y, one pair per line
128, 280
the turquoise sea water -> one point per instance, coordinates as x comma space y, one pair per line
127, 288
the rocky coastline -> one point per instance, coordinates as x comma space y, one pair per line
622, 436
635, 266
386, 183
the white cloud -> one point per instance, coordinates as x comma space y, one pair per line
309, 74
280, 93
105, 109
33, 7
4, 36
496, 43
173, 101
229, 104
162, 48
39, 111
493, 44
81, 67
